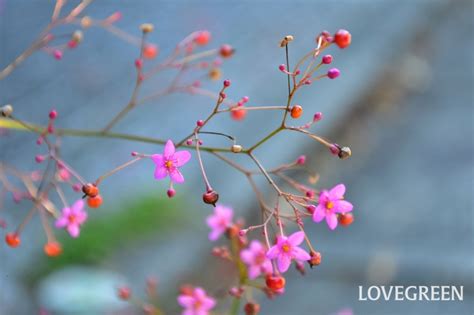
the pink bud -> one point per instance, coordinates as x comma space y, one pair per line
310, 194
333, 73
226, 83
242, 232
139, 63
327, 59
39, 158
334, 148
77, 187
134, 153
171, 192
301, 160
57, 54
317, 117
50, 128
189, 141
311, 208
200, 123
64, 174
245, 99
53, 114
223, 95
282, 67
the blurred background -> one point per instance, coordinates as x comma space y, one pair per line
403, 103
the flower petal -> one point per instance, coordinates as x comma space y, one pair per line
177, 177
181, 158
186, 300
273, 252
296, 238
158, 159
300, 254
215, 234
254, 272
169, 149
61, 222
338, 191
160, 172
343, 206
246, 256
283, 262
78, 206
331, 220
319, 214
73, 230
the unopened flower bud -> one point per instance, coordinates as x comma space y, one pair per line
286, 40
344, 153
90, 190
86, 22
124, 293
77, 36
275, 282
171, 192
147, 28
210, 197
6, 110
236, 148
333, 73
317, 117
53, 114
226, 51
226, 83
252, 308
301, 160
300, 267
327, 59
315, 259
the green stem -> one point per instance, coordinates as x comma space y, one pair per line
234, 308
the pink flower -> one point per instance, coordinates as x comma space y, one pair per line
169, 163
256, 260
287, 249
196, 303
219, 221
72, 218
330, 203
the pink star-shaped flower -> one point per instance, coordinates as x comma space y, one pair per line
169, 163
287, 249
196, 303
256, 260
219, 221
330, 203
72, 218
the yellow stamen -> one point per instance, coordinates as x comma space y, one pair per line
286, 248
169, 164
330, 205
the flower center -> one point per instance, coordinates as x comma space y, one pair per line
197, 304
330, 205
286, 248
169, 164
260, 258
71, 218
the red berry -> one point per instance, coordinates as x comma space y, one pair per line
94, 202
150, 51
210, 197
275, 283
53, 249
342, 38
13, 240
226, 51
238, 114
90, 190
202, 38
346, 219
296, 111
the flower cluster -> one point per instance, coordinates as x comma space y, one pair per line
259, 263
